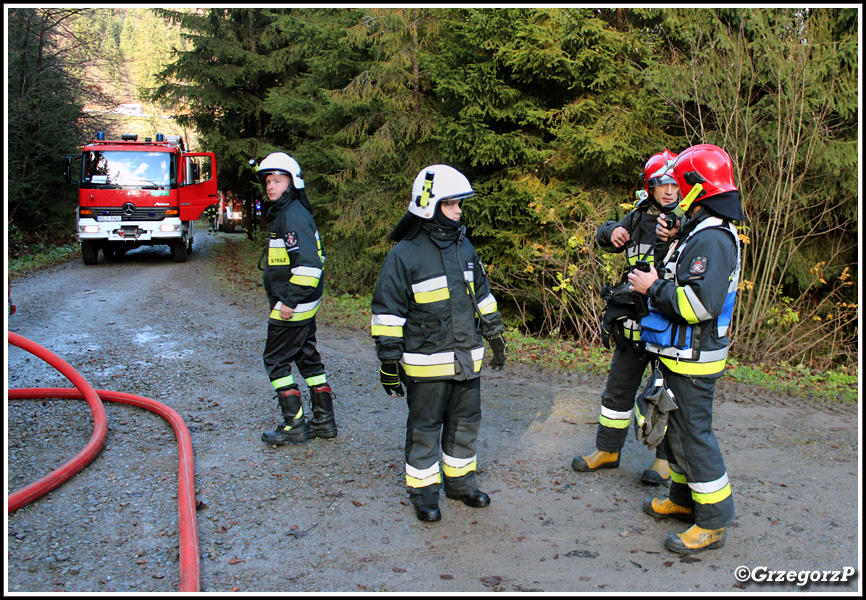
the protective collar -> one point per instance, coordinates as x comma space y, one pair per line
288, 196
406, 228
726, 205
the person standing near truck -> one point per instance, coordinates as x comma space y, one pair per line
293, 283
212, 214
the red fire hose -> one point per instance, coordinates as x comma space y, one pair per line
187, 528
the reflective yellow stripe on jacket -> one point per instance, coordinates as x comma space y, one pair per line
488, 305
306, 276
438, 364
431, 290
390, 325
301, 312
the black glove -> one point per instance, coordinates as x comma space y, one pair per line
497, 344
389, 375
611, 326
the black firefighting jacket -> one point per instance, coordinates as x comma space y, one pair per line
423, 310
697, 290
641, 226
295, 261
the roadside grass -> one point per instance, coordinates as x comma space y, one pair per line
37, 257
235, 263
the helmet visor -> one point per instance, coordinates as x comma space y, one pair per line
662, 180
457, 197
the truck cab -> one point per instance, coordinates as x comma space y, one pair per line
133, 193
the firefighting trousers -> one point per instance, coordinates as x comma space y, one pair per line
443, 423
287, 345
617, 401
699, 479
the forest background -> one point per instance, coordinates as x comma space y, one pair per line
550, 112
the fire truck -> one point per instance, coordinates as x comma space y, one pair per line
135, 193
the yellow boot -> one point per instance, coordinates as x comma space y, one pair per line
664, 508
695, 539
658, 472
597, 460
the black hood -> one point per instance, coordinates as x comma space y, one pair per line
726, 205
406, 228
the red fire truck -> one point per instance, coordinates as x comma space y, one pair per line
135, 193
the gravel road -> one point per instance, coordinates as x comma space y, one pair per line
332, 515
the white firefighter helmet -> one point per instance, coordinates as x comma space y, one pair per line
280, 162
434, 184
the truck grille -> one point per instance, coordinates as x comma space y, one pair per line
139, 214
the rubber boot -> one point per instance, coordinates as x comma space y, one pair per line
294, 429
597, 460
665, 508
695, 539
658, 472
323, 424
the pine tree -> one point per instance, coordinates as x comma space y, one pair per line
544, 110
42, 122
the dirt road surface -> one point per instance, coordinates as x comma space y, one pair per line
332, 515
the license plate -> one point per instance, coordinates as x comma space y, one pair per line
109, 218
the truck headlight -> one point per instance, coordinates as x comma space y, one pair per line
88, 229
170, 227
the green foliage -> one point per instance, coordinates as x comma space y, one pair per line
838, 384
776, 89
551, 113
31, 258
41, 123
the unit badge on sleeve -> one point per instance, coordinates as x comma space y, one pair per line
698, 266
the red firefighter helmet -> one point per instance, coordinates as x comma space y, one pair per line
658, 170
707, 165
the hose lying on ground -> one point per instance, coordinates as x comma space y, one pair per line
187, 528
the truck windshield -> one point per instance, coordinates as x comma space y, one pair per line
129, 168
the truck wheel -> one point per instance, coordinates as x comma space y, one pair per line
178, 251
89, 252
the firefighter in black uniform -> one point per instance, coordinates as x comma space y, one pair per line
293, 283
691, 302
432, 309
635, 235
211, 212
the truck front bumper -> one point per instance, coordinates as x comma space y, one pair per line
118, 231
